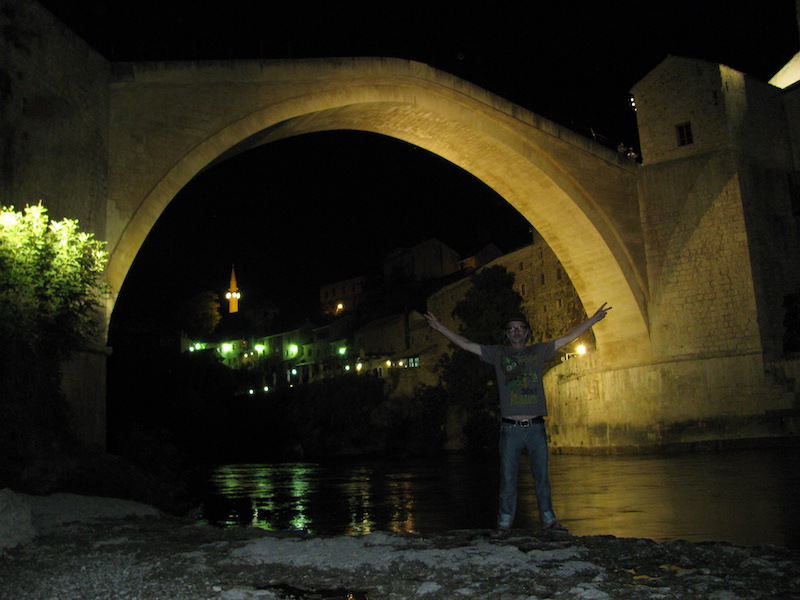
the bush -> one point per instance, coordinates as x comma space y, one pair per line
51, 288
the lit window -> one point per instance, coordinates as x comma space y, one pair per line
684, 131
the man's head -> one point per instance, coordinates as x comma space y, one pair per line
517, 330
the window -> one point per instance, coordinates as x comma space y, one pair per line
413, 362
684, 131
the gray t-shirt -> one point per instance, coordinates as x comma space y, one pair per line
519, 377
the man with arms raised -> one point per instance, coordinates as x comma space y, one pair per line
519, 369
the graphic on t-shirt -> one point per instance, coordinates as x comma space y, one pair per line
521, 377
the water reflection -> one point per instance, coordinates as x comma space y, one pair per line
746, 497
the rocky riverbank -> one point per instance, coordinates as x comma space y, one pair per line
67, 547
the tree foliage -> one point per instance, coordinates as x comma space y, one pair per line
50, 283
199, 315
487, 304
51, 287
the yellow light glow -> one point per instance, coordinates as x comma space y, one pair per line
581, 349
293, 348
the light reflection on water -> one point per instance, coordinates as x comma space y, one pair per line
742, 497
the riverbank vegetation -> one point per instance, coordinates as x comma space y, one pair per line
51, 289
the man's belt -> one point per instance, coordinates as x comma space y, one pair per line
523, 422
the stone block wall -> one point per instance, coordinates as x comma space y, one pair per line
702, 297
670, 405
54, 148
720, 235
53, 117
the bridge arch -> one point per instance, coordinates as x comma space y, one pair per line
170, 122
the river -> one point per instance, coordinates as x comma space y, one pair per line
744, 497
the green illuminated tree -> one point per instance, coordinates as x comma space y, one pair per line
51, 287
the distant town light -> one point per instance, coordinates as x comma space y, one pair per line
260, 348
343, 350
227, 347
581, 349
293, 348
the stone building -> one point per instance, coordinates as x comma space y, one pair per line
549, 299
430, 259
341, 296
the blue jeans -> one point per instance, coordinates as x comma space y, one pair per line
513, 439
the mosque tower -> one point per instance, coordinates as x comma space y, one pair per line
233, 294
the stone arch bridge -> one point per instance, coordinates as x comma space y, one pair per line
689, 352
170, 122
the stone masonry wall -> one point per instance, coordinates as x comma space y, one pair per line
53, 148
702, 297
53, 117
667, 405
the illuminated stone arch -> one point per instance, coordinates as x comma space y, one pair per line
170, 122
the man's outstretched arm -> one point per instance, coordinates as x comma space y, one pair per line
579, 330
458, 340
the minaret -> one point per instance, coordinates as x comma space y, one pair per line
233, 294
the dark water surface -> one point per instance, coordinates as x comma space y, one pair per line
745, 497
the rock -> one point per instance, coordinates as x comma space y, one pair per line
16, 520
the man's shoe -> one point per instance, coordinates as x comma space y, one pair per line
556, 526
501, 533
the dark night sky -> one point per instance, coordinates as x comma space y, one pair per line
572, 62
